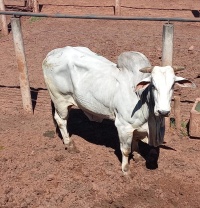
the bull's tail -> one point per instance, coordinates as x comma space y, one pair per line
54, 120
53, 113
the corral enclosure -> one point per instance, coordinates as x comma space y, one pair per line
36, 171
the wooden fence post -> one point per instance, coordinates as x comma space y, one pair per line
117, 7
35, 6
21, 62
167, 53
177, 112
29, 3
167, 45
3, 19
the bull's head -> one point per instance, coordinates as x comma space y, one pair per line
162, 81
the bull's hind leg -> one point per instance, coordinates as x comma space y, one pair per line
61, 116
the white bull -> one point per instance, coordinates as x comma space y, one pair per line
132, 93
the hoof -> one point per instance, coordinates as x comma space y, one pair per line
127, 175
126, 170
71, 148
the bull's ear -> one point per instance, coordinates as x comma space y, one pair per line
143, 84
182, 82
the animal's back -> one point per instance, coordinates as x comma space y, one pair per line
65, 67
83, 75
79, 56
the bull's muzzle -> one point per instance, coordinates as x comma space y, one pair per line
164, 113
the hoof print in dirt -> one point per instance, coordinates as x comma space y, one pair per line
49, 134
138, 158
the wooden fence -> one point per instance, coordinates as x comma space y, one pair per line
178, 4
34, 4
167, 51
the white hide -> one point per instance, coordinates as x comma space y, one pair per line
104, 90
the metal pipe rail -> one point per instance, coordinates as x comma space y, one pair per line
168, 19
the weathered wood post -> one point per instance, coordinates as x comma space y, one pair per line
29, 3
117, 7
167, 53
167, 45
177, 112
3, 19
35, 6
21, 62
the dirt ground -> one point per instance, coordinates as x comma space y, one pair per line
37, 172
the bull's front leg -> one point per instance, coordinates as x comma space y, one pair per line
126, 150
125, 133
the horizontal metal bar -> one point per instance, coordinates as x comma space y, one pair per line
31, 14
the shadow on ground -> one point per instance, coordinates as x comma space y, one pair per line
105, 133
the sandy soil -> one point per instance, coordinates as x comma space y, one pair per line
35, 169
